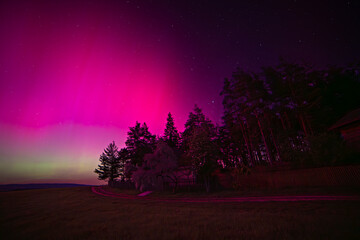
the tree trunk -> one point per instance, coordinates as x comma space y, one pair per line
268, 118
275, 144
302, 122
282, 122
207, 183
264, 140
251, 147
309, 124
246, 143
175, 186
288, 120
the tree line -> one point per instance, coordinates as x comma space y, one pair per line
278, 115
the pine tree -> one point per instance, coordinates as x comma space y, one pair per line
139, 142
123, 159
171, 134
199, 144
109, 163
196, 120
204, 153
103, 169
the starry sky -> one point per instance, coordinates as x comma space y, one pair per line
75, 75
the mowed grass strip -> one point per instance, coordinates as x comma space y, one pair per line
77, 213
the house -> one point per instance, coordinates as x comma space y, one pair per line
349, 127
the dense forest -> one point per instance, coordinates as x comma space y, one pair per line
279, 115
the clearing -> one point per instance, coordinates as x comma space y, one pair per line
78, 213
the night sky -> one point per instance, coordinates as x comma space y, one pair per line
75, 75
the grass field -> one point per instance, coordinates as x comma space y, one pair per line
77, 213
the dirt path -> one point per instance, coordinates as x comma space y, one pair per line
103, 192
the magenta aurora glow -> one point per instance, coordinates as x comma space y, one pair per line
75, 75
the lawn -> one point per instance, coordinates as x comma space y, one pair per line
77, 213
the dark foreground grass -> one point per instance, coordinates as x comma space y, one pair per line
77, 213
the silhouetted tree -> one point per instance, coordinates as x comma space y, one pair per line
171, 134
139, 142
199, 145
103, 169
204, 153
282, 113
196, 119
244, 104
109, 163
124, 158
276, 115
340, 94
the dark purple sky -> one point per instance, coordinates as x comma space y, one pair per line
76, 74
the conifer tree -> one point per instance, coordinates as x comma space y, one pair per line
196, 119
199, 145
103, 168
139, 142
171, 134
109, 163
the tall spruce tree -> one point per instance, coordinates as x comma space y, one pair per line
199, 144
103, 168
139, 142
171, 134
196, 119
203, 152
123, 159
109, 163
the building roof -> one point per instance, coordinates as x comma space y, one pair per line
349, 118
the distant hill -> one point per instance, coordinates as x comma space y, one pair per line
16, 187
